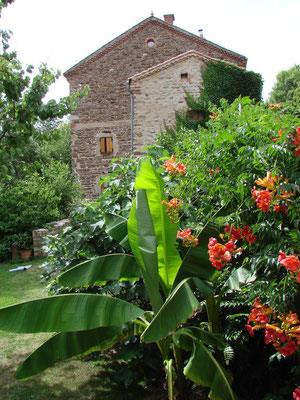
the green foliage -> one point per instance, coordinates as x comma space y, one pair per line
36, 199
227, 81
287, 89
86, 237
4, 3
23, 241
220, 80
241, 143
21, 100
36, 183
152, 240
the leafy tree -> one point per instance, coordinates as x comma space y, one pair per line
4, 3
287, 88
36, 182
21, 101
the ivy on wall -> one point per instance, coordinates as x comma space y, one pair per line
221, 80
224, 80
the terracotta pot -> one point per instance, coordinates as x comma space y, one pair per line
25, 254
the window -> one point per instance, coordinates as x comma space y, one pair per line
195, 115
150, 42
184, 76
106, 145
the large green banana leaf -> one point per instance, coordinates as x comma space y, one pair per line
104, 268
143, 244
178, 307
202, 368
166, 232
195, 264
68, 344
238, 278
72, 312
184, 338
116, 227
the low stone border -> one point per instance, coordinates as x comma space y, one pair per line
53, 228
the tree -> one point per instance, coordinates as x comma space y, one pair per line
21, 100
4, 3
36, 182
287, 87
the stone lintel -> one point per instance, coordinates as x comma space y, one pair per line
102, 124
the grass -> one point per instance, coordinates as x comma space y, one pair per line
85, 379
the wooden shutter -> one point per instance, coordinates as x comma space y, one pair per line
102, 145
109, 145
106, 145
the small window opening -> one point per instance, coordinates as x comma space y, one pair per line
106, 145
150, 42
195, 115
184, 76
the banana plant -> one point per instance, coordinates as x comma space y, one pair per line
83, 323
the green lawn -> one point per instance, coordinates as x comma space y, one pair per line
74, 379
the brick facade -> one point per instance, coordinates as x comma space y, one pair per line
106, 110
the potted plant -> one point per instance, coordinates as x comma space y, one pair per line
24, 243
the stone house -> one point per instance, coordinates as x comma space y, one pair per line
136, 81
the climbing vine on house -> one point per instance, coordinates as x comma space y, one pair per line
222, 80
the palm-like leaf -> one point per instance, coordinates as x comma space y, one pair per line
205, 370
65, 345
202, 368
64, 313
178, 307
143, 244
117, 229
166, 232
104, 268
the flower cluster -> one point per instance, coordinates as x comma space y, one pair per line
173, 207
283, 331
174, 168
188, 240
296, 394
291, 263
275, 106
263, 198
237, 233
278, 137
221, 254
213, 115
296, 142
214, 171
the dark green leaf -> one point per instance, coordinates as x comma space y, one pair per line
117, 229
104, 268
67, 313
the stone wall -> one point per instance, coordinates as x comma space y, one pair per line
106, 109
38, 235
159, 94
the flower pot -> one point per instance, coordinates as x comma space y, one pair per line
25, 254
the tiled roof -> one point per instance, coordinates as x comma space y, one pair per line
150, 20
173, 60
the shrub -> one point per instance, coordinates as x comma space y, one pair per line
246, 145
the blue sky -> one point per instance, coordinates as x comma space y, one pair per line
62, 32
